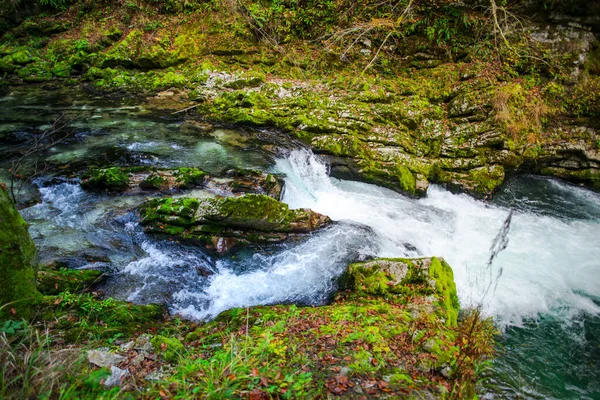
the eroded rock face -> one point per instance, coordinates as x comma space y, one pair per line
222, 223
431, 278
18, 262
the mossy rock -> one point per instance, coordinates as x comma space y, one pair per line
153, 181
246, 81
18, 262
169, 347
187, 177
251, 211
590, 177
408, 277
223, 223
113, 179
55, 281
258, 212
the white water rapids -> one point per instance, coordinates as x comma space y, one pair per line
550, 265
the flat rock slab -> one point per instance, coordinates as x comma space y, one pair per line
103, 358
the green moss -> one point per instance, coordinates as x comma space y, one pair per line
168, 80
111, 179
440, 271
83, 316
408, 277
254, 211
407, 179
153, 181
395, 175
178, 211
18, 262
187, 177
21, 57
53, 282
487, 179
123, 53
170, 348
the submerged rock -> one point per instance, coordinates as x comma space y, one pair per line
224, 222
18, 262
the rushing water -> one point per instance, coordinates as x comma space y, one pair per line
543, 290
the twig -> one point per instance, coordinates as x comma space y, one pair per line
185, 109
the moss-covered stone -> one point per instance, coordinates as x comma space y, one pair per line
152, 181
170, 348
18, 262
54, 281
113, 179
222, 223
187, 177
409, 277
246, 81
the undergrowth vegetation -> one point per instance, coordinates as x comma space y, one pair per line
355, 345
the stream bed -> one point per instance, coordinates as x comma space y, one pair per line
543, 290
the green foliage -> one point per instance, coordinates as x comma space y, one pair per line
111, 179
11, 326
84, 315
56, 4
282, 20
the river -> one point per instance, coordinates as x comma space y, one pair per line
543, 290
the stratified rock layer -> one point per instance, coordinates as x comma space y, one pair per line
224, 222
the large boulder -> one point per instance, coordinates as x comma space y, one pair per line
221, 223
430, 278
18, 262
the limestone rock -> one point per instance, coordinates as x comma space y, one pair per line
430, 278
143, 345
103, 358
116, 376
224, 222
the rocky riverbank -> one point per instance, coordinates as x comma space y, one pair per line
417, 115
